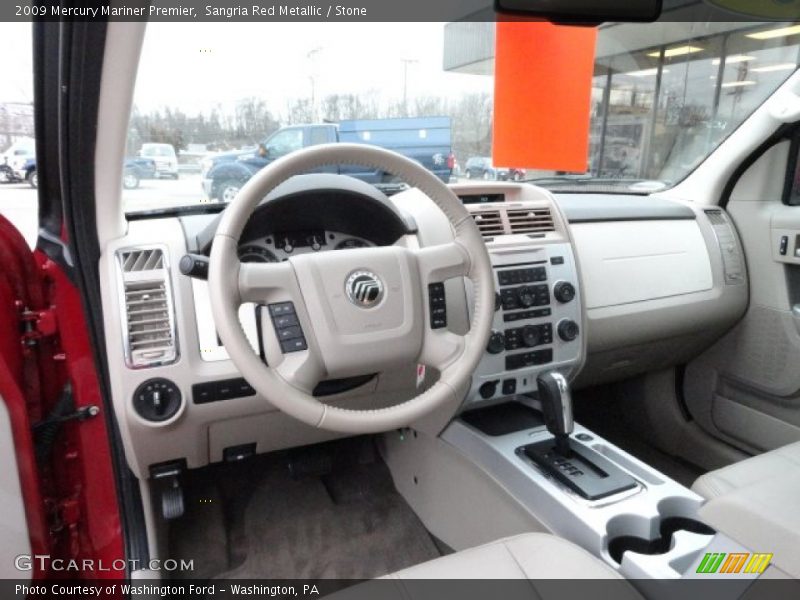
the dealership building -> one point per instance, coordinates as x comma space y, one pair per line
661, 98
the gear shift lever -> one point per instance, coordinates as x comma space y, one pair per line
580, 468
556, 403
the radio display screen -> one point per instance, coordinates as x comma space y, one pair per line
483, 198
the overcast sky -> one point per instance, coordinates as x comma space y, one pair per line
16, 74
196, 66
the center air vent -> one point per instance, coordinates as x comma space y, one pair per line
148, 311
507, 221
530, 220
489, 222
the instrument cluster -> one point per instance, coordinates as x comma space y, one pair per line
281, 246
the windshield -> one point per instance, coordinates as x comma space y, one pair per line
664, 96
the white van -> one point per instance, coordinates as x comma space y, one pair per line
165, 158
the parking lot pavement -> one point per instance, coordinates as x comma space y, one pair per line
19, 201
20, 205
163, 193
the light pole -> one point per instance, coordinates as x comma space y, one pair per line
312, 56
406, 62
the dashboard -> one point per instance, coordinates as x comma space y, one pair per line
598, 287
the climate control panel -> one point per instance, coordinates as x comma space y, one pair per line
537, 324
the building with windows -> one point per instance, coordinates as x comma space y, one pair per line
664, 94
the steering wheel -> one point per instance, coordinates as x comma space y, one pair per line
362, 311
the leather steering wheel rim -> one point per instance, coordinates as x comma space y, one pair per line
287, 385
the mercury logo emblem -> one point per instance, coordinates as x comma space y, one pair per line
364, 288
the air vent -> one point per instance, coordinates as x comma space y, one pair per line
530, 220
490, 223
142, 260
716, 217
148, 312
732, 262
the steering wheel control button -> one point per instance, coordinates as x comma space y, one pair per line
157, 400
282, 308
497, 343
226, 389
509, 387
529, 359
437, 303
287, 327
564, 292
488, 389
364, 289
295, 345
282, 321
568, 330
289, 333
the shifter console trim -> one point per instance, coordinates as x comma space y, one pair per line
587, 473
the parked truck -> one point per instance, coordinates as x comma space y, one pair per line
426, 140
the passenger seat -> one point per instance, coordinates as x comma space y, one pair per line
755, 503
763, 467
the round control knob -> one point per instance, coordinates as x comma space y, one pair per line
568, 330
564, 291
526, 297
488, 389
497, 343
157, 399
530, 336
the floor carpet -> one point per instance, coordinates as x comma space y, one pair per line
347, 524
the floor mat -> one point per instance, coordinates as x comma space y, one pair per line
349, 524
598, 410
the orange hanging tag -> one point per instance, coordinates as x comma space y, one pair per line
542, 98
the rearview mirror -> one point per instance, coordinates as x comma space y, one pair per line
583, 11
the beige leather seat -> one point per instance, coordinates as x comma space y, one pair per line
755, 503
533, 566
761, 468
527, 556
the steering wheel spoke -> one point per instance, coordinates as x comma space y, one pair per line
441, 348
302, 370
442, 262
264, 282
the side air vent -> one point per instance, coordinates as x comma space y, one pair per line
147, 307
716, 217
490, 223
533, 220
142, 260
732, 263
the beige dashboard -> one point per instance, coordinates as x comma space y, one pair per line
649, 292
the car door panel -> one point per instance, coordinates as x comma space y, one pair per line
746, 388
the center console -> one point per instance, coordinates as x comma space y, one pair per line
538, 324
516, 422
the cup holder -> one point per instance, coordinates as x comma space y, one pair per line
617, 546
653, 535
